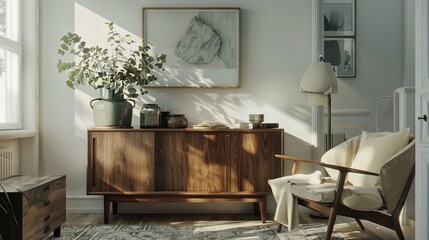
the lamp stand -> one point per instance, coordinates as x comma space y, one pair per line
328, 146
329, 138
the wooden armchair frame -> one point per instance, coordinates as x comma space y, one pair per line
332, 210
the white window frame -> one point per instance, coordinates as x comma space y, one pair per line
15, 47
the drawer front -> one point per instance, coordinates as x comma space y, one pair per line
36, 199
58, 199
36, 222
44, 212
41, 233
45, 230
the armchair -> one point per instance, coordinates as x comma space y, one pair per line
375, 192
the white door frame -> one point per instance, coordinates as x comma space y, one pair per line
422, 108
317, 121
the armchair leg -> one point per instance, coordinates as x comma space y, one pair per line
398, 229
359, 223
279, 227
331, 223
336, 205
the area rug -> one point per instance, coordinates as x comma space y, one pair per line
180, 232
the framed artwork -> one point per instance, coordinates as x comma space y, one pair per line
202, 45
339, 18
341, 53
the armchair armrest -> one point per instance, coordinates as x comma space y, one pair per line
341, 180
342, 169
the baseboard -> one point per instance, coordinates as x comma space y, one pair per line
84, 204
94, 204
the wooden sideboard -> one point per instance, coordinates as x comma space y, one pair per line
39, 205
183, 165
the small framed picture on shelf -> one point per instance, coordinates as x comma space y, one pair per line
339, 18
341, 53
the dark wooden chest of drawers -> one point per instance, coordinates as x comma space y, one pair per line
38, 203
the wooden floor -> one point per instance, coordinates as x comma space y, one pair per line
343, 225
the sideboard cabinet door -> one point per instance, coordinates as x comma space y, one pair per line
256, 163
191, 161
217, 161
120, 161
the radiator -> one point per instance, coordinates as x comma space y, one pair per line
9, 165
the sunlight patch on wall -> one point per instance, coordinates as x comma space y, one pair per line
235, 108
93, 29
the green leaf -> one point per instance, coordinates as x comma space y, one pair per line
64, 47
63, 67
64, 38
70, 84
59, 66
76, 38
81, 45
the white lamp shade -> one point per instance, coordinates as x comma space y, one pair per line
316, 99
319, 78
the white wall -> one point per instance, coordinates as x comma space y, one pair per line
379, 63
275, 51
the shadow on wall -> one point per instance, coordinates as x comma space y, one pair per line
229, 106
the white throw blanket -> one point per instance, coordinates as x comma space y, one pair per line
287, 207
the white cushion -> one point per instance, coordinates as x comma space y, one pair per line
376, 149
362, 198
341, 155
324, 192
357, 198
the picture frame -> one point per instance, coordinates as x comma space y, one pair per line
339, 18
202, 46
341, 53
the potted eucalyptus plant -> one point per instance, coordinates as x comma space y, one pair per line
122, 74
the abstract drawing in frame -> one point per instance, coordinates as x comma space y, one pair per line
339, 18
341, 53
202, 45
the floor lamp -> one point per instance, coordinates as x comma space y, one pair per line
319, 82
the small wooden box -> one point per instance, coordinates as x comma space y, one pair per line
39, 204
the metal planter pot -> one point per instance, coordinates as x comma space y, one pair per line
112, 113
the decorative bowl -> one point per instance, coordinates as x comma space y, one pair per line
256, 118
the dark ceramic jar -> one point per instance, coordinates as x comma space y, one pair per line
177, 121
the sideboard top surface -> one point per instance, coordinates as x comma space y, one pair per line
185, 130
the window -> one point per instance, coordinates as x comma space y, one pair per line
10, 58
